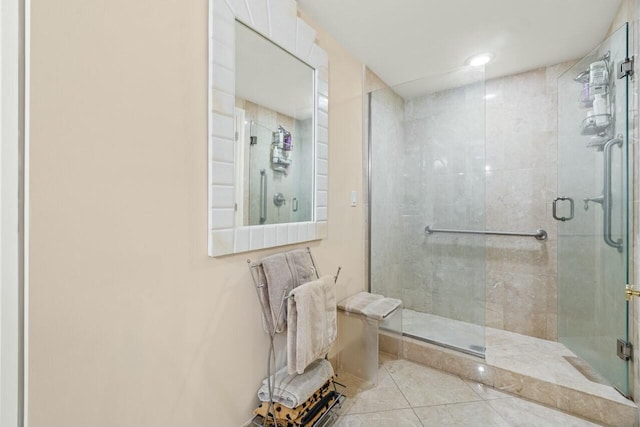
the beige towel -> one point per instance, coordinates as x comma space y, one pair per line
283, 272
359, 302
294, 390
263, 294
279, 283
381, 308
301, 266
312, 323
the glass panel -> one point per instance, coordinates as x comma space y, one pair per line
428, 168
592, 247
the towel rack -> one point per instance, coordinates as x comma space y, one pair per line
330, 415
539, 234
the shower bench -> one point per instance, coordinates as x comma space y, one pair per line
365, 321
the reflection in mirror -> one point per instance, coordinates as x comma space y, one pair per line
274, 133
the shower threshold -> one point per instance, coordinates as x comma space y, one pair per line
540, 370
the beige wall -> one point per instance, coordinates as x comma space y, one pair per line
130, 322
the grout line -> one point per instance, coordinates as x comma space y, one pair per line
403, 395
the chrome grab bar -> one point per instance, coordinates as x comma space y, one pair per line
539, 234
606, 192
263, 196
554, 210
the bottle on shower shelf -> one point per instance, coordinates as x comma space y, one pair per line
600, 111
598, 78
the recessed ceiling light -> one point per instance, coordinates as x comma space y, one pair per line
480, 59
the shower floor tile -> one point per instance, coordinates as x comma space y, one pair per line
424, 396
534, 357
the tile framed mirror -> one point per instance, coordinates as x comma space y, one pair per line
268, 127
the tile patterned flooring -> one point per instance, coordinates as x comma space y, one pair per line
409, 394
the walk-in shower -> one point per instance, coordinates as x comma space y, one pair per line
463, 174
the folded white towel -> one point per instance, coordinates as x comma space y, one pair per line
359, 302
381, 308
311, 323
294, 390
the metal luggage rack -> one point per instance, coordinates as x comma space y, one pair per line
327, 419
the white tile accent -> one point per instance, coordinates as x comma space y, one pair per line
278, 20
322, 167
221, 13
323, 119
224, 24
311, 230
282, 236
222, 196
224, 79
222, 218
321, 183
270, 236
321, 199
222, 173
258, 10
256, 237
292, 231
239, 8
224, 54
323, 87
302, 231
222, 102
322, 134
282, 16
222, 126
321, 214
221, 150
323, 73
318, 58
241, 243
322, 151
305, 37
323, 103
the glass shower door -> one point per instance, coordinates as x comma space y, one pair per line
592, 209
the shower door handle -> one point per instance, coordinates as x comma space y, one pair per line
607, 199
263, 196
555, 211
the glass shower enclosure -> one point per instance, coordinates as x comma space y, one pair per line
427, 168
592, 208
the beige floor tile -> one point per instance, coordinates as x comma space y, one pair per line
470, 414
381, 398
519, 412
423, 386
395, 418
486, 392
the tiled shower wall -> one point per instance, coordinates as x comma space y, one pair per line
521, 179
499, 178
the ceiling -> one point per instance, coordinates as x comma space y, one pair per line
406, 40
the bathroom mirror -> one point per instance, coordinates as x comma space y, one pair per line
268, 127
274, 132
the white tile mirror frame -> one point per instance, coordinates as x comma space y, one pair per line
277, 20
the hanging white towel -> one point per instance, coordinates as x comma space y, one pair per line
312, 323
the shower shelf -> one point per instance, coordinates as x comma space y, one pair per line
586, 101
589, 126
